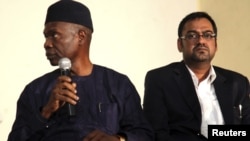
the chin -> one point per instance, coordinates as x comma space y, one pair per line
53, 62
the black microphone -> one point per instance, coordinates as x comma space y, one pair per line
65, 65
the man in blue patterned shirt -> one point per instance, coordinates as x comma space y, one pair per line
107, 105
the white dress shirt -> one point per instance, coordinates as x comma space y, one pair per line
210, 108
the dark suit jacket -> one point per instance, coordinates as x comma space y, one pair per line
172, 106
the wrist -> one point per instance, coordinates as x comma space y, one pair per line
45, 112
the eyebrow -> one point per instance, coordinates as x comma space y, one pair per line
194, 31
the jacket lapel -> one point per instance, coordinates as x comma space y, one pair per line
223, 92
224, 95
185, 83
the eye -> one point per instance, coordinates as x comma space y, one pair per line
192, 36
51, 34
54, 35
208, 35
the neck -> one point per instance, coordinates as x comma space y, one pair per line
201, 70
82, 68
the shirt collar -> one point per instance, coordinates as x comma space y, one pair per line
211, 76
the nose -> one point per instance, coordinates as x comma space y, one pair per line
48, 43
201, 38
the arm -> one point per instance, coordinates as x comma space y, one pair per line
36, 105
155, 108
123, 116
133, 123
245, 102
28, 123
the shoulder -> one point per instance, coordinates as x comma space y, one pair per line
229, 74
173, 67
166, 67
113, 79
109, 73
45, 79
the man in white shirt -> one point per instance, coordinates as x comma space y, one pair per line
182, 98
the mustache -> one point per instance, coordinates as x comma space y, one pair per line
200, 46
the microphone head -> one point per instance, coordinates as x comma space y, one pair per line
64, 63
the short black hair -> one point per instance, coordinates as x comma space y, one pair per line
196, 15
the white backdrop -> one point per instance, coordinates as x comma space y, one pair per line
130, 36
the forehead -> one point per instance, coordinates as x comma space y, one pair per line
57, 26
199, 25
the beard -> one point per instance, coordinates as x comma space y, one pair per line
201, 53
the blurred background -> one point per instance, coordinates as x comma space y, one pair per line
130, 36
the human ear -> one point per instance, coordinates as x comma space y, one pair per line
179, 45
81, 34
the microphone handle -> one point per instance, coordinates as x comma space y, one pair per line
70, 108
65, 72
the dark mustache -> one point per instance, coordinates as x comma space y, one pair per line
200, 45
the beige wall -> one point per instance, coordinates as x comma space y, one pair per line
233, 21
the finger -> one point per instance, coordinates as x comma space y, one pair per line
69, 86
67, 96
91, 135
64, 78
